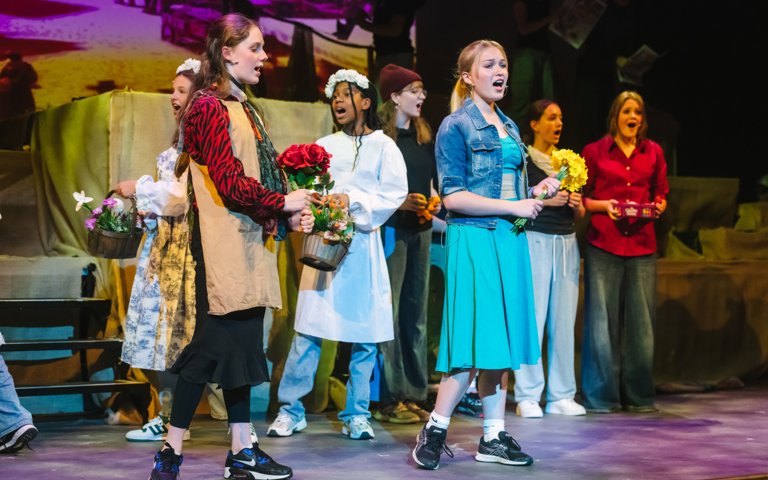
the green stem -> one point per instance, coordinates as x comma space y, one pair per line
520, 222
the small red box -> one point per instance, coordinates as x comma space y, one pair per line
636, 210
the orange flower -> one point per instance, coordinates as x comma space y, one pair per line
425, 214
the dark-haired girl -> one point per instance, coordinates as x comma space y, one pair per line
353, 303
555, 271
241, 206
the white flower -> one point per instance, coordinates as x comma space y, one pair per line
81, 199
351, 76
340, 226
189, 64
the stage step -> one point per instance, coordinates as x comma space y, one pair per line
101, 305
23, 313
84, 388
73, 344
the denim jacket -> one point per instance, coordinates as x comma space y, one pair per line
468, 155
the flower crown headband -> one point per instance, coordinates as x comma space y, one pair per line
189, 64
351, 76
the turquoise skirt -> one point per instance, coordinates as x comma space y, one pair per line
488, 313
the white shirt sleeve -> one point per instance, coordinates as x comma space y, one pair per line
162, 198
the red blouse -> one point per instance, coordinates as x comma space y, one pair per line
641, 178
206, 139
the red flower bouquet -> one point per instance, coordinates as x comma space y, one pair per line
302, 165
306, 166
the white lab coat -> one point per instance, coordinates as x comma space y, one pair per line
354, 302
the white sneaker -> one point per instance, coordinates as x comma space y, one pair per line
284, 426
566, 406
358, 428
254, 437
154, 430
18, 439
529, 409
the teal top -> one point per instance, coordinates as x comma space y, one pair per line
511, 155
511, 177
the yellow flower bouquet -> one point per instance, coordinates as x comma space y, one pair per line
571, 171
575, 176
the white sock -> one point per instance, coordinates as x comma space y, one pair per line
439, 421
491, 429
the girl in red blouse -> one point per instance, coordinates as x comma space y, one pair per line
241, 206
620, 262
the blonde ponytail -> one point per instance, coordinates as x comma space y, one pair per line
461, 91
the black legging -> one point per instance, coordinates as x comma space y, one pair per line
187, 396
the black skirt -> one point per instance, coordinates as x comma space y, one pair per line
225, 349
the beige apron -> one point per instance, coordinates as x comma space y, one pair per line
240, 266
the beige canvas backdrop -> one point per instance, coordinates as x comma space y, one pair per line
93, 143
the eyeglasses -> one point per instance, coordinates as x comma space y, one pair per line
417, 91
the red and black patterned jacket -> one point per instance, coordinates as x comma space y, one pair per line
206, 139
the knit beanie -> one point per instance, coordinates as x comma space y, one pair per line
394, 78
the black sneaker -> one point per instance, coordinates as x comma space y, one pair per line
167, 464
430, 444
254, 463
470, 404
17, 439
502, 450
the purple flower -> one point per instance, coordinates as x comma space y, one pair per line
97, 211
109, 202
90, 223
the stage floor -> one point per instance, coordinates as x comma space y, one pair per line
695, 436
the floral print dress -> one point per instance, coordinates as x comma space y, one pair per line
161, 312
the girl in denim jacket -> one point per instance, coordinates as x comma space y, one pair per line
488, 316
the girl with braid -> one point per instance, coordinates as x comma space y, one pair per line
240, 208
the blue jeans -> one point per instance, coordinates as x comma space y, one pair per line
299, 377
619, 317
404, 359
555, 271
12, 414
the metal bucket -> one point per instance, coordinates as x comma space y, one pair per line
321, 253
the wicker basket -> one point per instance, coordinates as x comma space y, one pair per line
102, 243
114, 245
321, 253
